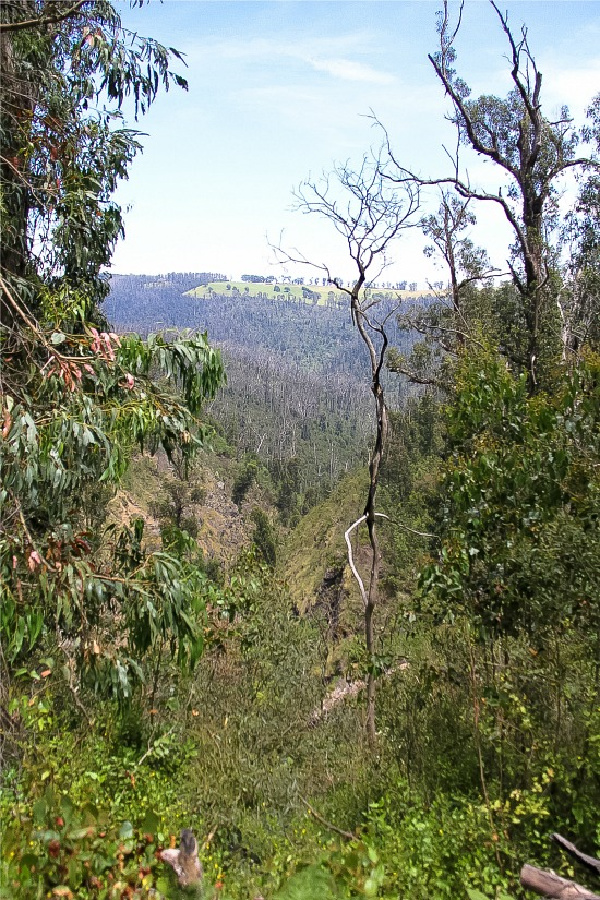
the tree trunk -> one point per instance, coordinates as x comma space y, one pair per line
17, 103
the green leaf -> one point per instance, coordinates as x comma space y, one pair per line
474, 894
78, 834
150, 822
126, 831
40, 811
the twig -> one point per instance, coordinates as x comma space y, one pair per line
424, 534
28, 533
21, 312
53, 351
48, 20
152, 746
345, 834
209, 838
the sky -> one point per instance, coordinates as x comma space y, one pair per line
281, 90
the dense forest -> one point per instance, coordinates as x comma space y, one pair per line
294, 394
297, 600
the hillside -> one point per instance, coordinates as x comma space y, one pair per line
152, 490
315, 293
313, 336
297, 393
206, 689
317, 546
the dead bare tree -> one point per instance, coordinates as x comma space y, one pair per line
369, 213
532, 151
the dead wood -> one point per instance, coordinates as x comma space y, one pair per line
590, 862
184, 861
345, 834
553, 886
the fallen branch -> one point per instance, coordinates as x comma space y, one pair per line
348, 690
590, 862
553, 886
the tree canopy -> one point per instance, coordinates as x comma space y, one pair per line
76, 398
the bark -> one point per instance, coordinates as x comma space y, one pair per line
17, 103
549, 885
590, 862
18, 98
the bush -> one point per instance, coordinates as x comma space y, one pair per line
264, 537
244, 481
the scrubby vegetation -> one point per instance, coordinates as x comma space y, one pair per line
182, 630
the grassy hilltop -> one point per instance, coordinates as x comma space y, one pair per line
290, 291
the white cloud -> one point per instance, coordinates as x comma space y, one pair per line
276, 94
349, 70
331, 55
574, 86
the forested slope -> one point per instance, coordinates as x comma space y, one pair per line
295, 394
381, 682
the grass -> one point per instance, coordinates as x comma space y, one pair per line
318, 540
286, 291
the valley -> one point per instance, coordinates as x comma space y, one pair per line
296, 396
299, 583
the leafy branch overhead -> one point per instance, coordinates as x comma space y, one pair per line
76, 398
67, 71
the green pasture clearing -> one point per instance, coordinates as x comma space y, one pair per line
288, 291
265, 291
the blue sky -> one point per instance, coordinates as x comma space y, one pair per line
281, 90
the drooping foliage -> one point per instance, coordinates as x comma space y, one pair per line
488, 723
76, 398
67, 70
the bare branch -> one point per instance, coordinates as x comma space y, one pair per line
424, 534
345, 834
42, 20
590, 862
355, 571
428, 327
